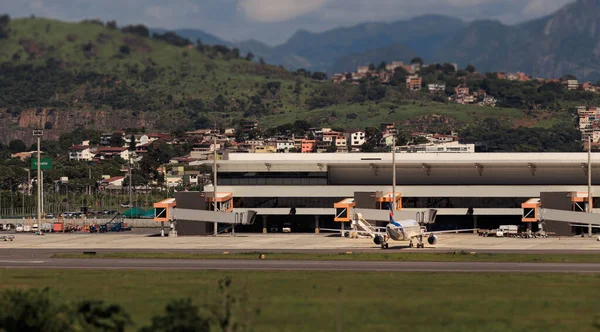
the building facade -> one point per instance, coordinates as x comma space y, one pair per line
491, 185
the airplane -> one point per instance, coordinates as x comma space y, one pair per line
407, 230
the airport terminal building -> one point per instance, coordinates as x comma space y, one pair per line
483, 188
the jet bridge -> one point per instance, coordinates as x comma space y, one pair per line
191, 213
561, 212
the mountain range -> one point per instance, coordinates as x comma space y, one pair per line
565, 42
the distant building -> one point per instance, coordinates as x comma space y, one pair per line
436, 87
22, 155
357, 139
452, 147
362, 69
308, 145
112, 152
114, 183
80, 153
572, 84
284, 146
413, 83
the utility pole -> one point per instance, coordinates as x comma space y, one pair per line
394, 168
130, 181
38, 134
590, 198
215, 176
42, 181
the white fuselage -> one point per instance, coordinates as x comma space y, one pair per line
403, 230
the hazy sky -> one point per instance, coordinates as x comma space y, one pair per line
273, 21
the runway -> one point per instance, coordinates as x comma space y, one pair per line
282, 265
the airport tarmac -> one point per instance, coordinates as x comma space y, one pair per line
147, 240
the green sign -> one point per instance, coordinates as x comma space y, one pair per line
45, 165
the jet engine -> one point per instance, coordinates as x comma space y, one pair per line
432, 239
378, 239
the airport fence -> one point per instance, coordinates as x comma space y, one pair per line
134, 223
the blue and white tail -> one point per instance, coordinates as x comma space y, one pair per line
392, 221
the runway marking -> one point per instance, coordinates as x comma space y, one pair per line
21, 262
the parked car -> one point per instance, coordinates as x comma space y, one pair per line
8, 227
35, 228
124, 205
19, 228
49, 216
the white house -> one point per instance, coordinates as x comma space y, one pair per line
114, 183
111, 152
284, 146
436, 87
357, 139
80, 153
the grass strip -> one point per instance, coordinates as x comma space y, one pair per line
361, 256
313, 301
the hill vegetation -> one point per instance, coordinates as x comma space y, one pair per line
63, 76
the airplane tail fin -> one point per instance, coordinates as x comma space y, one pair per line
392, 221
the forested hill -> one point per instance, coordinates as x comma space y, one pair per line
95, 74
63, 76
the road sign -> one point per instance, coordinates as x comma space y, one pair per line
45, 164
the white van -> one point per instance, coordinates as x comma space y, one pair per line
19, 228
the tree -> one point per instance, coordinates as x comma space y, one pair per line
4, 29
332, 148
172, 38
32, 310
116, 140
402, 137
250, 56
262, 61
131, 147
371, 67
96, 316
112, 25
180, 315
319, 76
140, 30
124, 49
449, 68
16, 146
417, 61
381, 66
470, 69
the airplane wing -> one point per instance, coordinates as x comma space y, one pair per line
447, 232
377, 231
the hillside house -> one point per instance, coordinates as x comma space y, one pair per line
436, 87
308, 145
113, 183
414, 82
572, 84
112, 152
81, 153
357, 139
284, 146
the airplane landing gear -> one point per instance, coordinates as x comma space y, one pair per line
420, 244
385, 245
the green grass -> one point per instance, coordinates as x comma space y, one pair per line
373, 114
308, 301
403, 257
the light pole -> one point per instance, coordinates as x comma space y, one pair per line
38, 134
215, 175
394, 169
590, 198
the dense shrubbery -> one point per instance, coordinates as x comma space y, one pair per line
43, 311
